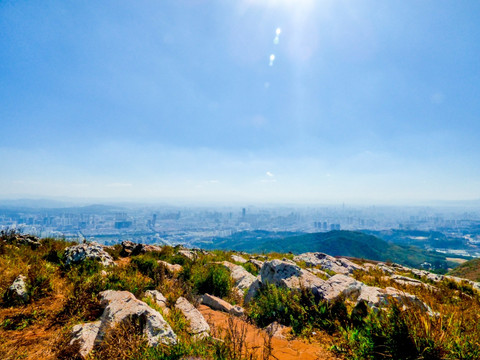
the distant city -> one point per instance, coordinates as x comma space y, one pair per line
458, 228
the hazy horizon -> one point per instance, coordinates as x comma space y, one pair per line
249, 101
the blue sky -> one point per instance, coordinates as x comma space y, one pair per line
364, 102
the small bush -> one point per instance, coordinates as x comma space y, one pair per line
252, 269
149, 266
213, 279
39, 280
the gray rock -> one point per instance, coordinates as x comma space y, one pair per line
29, 240
404, 280
339, 285
129, 248
257, 263
243, 279
198, 326
327, 262
276, 329
159, 299
374, 297
121, 306
77, 253
187, 253
238, 259
287, 274
319, 272
377, 298
172, 268
253, 290
17, 292
83, 337
221, 305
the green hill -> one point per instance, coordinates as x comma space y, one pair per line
468, 270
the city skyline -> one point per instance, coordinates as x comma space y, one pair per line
251, 101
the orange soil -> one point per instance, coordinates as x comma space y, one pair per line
37, 339
282, 349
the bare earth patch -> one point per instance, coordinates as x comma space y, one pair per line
281, 349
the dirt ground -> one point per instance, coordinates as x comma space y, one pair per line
281, 347
30, 332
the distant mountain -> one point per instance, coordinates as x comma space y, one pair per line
422, 239
336, 243
246, 240
468, 270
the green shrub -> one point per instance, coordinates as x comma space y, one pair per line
114, 251
149, 266
297, 309
82, 302
128, 279
213, 279
39, 280
252, 269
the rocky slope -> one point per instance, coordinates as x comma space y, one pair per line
138, 301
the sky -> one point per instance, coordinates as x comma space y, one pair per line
274, 101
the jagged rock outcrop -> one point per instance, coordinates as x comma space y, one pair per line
377, 298
354, 290
78, 253
17, 292
243, 279
327, 262
218, 304
120, 307
159, 299
198, 326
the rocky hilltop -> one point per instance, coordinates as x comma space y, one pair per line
62, 300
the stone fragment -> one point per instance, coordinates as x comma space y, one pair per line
187, 253
78, 253
377, 298
129, 248
221, 305
172, 268
159, 299
243, 279
17, 292
340, 284
253, 290
319, 272
198, 326
83, 337
29, 240
327, 262
238, 259
287, 274
122, 306
276, 329
257, 263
